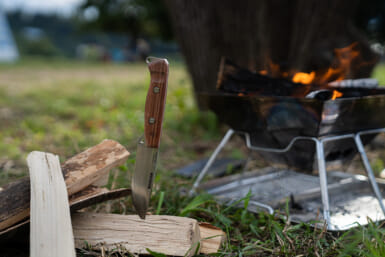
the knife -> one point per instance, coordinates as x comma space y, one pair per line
147, 149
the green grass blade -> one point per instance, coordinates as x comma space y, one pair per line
160, 202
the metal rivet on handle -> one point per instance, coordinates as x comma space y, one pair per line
156, 90
151, 120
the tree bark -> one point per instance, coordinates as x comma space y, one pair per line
296, 34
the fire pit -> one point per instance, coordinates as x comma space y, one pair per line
273, 117
297, 123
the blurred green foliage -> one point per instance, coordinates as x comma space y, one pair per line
379, 73
43, 47
137, 18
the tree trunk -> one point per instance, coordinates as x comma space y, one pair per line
297, 34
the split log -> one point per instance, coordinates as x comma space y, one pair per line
211, 238
92, 165
178, 236
87, 193
51, 229
166, 234
85, 198
79, 172
94, 195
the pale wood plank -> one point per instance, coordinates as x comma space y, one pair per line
80, 171
178, 236
50, 227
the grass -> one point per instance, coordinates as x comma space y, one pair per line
64, 107
379, 73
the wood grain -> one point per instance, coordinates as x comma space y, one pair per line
50, 227
155, 102
80, 171
177, 236
93, 164
212, 238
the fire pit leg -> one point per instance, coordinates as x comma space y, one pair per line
323, 180
201, 175
244, 169
369, 170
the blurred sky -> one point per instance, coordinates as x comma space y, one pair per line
62, 7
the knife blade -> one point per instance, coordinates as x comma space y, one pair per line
147, 151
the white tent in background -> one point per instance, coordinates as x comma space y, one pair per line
8, 49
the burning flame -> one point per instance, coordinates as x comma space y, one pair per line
336, 94
304, 78
345, 60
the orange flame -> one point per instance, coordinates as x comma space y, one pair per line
342, 64
304, 78
263, 72
345, 59
336, 94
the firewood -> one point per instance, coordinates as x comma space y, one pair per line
79, 172
211, 238
93, 195
235, 79
178, 236
166, 234
86, 193
87, 197
92, 165
50, 227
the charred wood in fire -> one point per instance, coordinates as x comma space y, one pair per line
237, 80
234, 79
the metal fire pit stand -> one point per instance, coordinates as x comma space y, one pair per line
319, 144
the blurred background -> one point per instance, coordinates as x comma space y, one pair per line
128, 30
104, 31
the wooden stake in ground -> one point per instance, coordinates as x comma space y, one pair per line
178, 236
51, 229
79, 171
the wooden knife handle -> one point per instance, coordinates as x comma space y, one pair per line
155, 102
